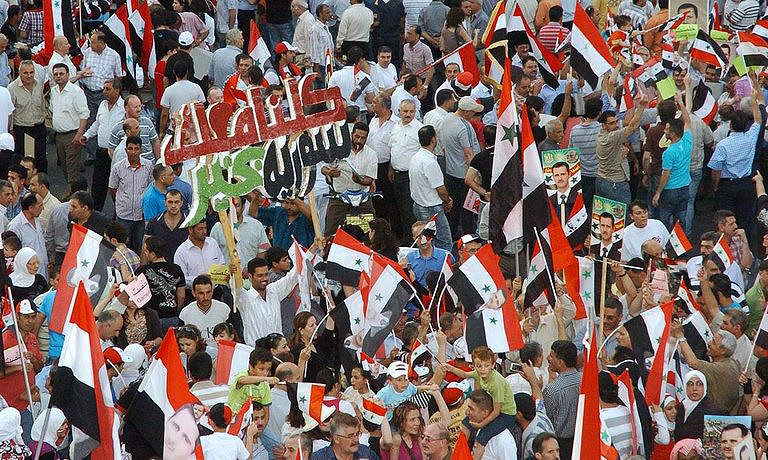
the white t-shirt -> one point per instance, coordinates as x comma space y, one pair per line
223, 446
180, 93
501, 447
425, 177
6, 109
634, 238
218, 313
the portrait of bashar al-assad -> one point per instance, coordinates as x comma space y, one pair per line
696, 9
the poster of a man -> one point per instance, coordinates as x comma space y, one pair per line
696, 9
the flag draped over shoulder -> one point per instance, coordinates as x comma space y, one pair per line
81, 389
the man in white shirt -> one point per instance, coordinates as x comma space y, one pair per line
226, 20
355, 173
409, 90
501, 446
403, 143
446, 102
250, 238
452, 70
61, 48
69, 108
694, 264
357, 88
304, 24
427, 188
380, 131
384, 72
205, 312
641, 230
354, 27
196, 255
259, 306
111, 111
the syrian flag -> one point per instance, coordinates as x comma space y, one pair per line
82, 389
505, 218
118, 34
540, 281
761, 27
464, 57
419, 352
372, 411
58, 20
589, 430
627, 397
357, 305
650, 334
587, 282
628, 91
590, 56
86, 260
519, 32
231, 358
668, 54
239, 425
687, 297
678, 242
347, 258
302, 260
576, 228
437, 305
704, 103
705, 49
753, 47
698, 334
362, 81
366, 362
477, 280
674, 22
143, 40
761, 338
637, 60
430, 228
257, 47
308, 398
650, 73
498, 328
677, 368
161, 393
328, 63
723, 251
564, 260
389, 293
495, 40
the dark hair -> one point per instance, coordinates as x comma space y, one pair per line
84, 198
29, 200
614, 304
592, 108
525, 406
482, 399
360, 126
383, 236
221, 415
715, 260
667, 110
561, 164
180, 69
736, 426
566, 351
535, 102
676, 126
530, 352
622, 353
240, 57
555, 13
557, 105
11, 240
416, 28
444, 95
607, 388
134, 140
354, 55
383, 49
489, 135
326, 377
709, 236
454, 17
259, 355
640, 204
60, 65
115, 230
622, 20
721, 215
410, 82
13, 10
607, 215
155, 245
42, 179
200, 366
426, 134
400, 416
299, 322
157, 170
255, 263
201, 280
606, 115
721, 284
691, 6
255, 74
740, 122
269, 341
540, 439
763, 265
761, 370
224, 327
191, 332
18, 169
274, 254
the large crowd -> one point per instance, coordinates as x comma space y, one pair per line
417, 189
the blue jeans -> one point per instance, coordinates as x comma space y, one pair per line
443, 238
653, 184
693, 188
280, 32
617, 191
672, 206
135, 231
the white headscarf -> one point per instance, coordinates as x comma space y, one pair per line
667, 400
10, 425
20, 277
688, 404
55, 420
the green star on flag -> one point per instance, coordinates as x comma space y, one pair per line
493, 320
573, 180
510, 133
379, 297
587, 274
303, 399
587, 295
84, 263
358, 262
357, 320
534, 269
486, 288
604, 435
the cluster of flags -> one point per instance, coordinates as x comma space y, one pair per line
129, 32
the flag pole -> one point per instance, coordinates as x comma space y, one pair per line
22, 350
603, 282
39, 447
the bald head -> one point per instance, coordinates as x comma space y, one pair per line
288, 372
131, 127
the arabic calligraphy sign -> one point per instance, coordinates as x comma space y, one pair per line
256, 146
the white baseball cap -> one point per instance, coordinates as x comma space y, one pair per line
397, 369
186, 38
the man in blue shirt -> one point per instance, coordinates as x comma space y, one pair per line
292, 218
428, 257
731, 164
345, 441
671, 196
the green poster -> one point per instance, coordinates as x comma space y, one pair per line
617, 209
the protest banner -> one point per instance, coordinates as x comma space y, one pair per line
617, 209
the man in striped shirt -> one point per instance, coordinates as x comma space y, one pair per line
561, 396
553, 33
741, 15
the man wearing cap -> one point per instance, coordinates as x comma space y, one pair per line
460, 145
284, 67
428, 192
411, 90
114, 358
12, 387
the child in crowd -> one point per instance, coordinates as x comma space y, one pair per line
398, 388
221, 444
253, 383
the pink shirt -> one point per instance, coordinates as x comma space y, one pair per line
405, 454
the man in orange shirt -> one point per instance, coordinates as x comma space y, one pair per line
652, 39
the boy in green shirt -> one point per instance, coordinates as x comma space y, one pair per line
253, 383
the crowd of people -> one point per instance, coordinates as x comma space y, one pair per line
422, 136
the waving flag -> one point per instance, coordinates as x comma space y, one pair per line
372, 411
82, 390
723, 251
58, 20
118, 35
761, 27
419, 352
678, 242
698, 334
588, 425
761, 338
590, 56
231, 358
705, 49
673, 22
704, 103
650, 333
303, 261
347, 258
308, 397
142, 39
627, 397
587, 282
495, 40
464, 57
257, 47
686, 296
540, 281
519, 32
753, 47
437, 305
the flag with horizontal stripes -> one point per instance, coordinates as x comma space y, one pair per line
761, 338
723, 251
231, 358
697, 332
347, 258
704, 103
685, 294
704, 48
142, 38
590, 56
519, 32
118, 36
678, 242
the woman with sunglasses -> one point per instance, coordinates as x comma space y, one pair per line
277, 344
305, 348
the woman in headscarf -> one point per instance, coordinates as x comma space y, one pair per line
665, 424
689, 422
55, 435
26, 283
11, 445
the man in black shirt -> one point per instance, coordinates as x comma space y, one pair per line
165, 280
9, 29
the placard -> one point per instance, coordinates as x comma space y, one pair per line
219, 274
569, 156
138, 290
617, 209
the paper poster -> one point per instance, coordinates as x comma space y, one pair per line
138, 290
219, 274
686, 32
666, 88
698, 13
472, 202
617, 209
713, 434
570, 157
181, 434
